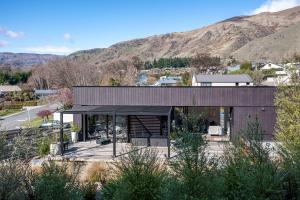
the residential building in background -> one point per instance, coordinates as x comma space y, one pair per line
222, 80
4, 89
168, 81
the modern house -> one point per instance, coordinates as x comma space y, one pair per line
222, 80
148, 114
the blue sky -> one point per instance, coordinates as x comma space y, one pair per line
64, 26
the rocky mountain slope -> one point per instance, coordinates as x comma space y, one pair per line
244, 37
275, 47
25, 59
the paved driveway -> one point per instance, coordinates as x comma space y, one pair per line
15, 121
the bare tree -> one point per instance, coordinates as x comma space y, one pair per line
65, 72
124, 71
203, 63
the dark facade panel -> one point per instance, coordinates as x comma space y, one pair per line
175, 96
266, 117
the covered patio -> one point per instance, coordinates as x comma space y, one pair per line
145, 126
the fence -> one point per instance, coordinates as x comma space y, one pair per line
31, 134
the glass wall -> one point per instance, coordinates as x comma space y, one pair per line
214, 120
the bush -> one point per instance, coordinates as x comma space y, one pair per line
54, 182
140, 175
3, 146
249, 171
15, 180
22, 149
89, 191
195, 176
74, 127
97, 173
43, 146
44, 114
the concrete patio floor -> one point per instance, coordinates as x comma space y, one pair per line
90, 151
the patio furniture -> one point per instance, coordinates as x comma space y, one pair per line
103, 141
122, 135
66, 145
93, 135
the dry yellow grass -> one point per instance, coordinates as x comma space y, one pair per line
97, 172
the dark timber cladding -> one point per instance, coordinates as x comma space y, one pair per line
245, 101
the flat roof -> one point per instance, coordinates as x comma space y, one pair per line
223, 78
121, 110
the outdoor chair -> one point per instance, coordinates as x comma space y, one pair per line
93, 135
122, 135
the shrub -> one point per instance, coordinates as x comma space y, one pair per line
3, 146
15, 180
44, 114
97, 172
74, 128
195, 175
43, 146
250, 172
140, 175
54, 182
89, 191
22, 149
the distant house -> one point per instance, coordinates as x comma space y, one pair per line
222, 80
279, 70
233, 68
278, 74
4, 89
44, 93
168, 81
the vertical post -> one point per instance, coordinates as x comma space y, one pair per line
61, 133
114, 134
169, 130
107, 126
84, 126
128, 128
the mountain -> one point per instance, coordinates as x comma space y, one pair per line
262, 36
25, 59
275, 47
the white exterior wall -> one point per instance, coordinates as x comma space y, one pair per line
230, 84
223, 84
194, 83
67, 117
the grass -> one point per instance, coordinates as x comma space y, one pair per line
34, 123
6, 112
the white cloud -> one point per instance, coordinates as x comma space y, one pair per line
50, 49
276, 5
10, 33
67, 36
3, 43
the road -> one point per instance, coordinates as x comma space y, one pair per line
15, 121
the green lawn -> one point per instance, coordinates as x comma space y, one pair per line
5, 112
34, 123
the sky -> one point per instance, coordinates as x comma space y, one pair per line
64, 26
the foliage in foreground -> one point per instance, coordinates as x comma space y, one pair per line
15, 180
140, 175
194, 174
249, 170
54, 182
